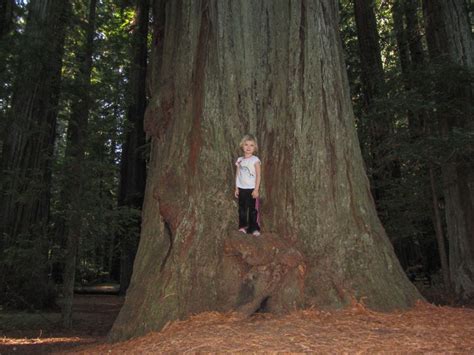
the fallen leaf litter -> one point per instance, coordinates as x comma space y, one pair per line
424, 328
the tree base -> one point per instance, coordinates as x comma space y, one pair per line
264, 273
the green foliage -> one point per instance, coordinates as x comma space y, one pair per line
24, 284
9, 51
101, 220
411, 104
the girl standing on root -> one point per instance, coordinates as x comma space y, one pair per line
247, 183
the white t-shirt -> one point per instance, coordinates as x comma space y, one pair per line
246, 175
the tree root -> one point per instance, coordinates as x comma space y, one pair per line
271, 273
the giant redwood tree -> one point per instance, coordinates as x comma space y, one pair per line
273, 68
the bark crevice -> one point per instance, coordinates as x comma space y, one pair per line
169, 234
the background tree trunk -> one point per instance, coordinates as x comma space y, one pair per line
377, 126
443, 256
28, 147
6, 16
401, 36
372, 74
450, 41
273, 68
72, 191
133, 165
412, 59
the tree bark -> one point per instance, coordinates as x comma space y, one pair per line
28, 146
398, 12
443, 256
372, 74
274, 68
450, 41
377, 126
414, 33
72, 191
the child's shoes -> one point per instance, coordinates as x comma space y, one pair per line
256, 233
242, 230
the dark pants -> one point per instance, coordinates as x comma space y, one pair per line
248, 213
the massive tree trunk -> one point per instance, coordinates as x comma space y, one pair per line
450, 42
28, 148
274, 68
133, 165
73, 187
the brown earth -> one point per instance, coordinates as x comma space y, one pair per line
40, 333
423, 329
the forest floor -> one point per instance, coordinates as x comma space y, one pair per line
424, 328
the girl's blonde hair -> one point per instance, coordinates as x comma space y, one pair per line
246, 138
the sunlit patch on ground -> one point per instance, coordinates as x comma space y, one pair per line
41, 345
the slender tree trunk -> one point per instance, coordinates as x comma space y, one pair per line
450, 42
439, 232
413, 31
401, 36
373, 81
6, 16
27, 150
133, 164
273, 68
369, 49
77, 130
417, 123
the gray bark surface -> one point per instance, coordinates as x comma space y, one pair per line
273, 68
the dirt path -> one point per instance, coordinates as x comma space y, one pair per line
423, 329
39, 333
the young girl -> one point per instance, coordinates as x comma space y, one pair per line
247, 181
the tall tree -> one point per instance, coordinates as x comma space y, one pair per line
77, 129
450, 43
133, 165
6, 16
27, 149
412, 60
375, 125
372, 74
274, 68
398, 8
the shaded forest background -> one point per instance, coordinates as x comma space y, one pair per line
73, 150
